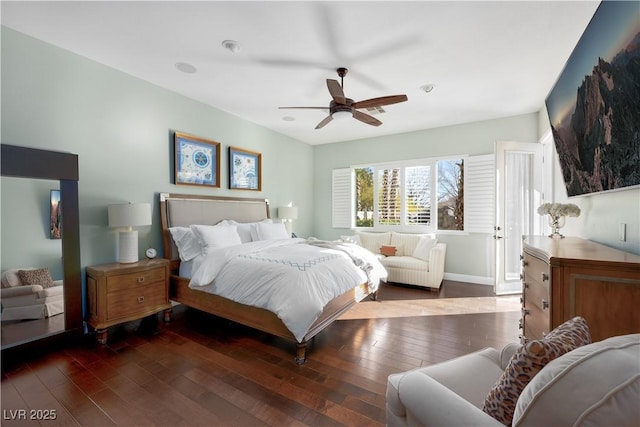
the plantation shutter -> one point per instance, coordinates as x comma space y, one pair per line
418, 195
479, 193
341, 198
389, 196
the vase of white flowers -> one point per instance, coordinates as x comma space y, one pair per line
557, 213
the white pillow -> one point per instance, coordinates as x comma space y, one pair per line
351, 239
216, 236
265, 231
423, 248
10, 277
245, 229
188, 244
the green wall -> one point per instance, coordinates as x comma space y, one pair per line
121, 126
601, 213
468, 254
121, 129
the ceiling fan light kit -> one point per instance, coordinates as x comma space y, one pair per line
340, 105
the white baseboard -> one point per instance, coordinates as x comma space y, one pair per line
480, 280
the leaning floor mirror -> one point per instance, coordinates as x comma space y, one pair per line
41, 295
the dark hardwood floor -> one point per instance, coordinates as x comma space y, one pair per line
200, 370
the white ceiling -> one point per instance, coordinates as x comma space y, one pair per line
487, 59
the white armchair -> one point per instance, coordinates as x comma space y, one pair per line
21, 301
596, 384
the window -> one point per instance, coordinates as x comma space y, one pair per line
405, 193
450, 195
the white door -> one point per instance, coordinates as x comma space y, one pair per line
518, 191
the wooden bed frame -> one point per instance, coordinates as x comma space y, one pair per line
184, 210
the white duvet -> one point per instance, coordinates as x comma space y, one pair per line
293, 278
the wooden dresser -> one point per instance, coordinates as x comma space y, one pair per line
120, 293
563, 278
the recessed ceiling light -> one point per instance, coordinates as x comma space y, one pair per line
231, 45
428, 87
186, 68
289, 119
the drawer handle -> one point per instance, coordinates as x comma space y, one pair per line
520, 325
525, 263
521, 276
141, 299
141, 279
545, 277
525, 312
545, 303
525, 285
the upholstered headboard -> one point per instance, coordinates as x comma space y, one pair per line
183, 210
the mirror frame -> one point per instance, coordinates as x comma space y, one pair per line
23, 162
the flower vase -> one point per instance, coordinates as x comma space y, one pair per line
556, 222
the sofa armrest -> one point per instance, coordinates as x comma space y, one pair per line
436, 265
430, 403
18, 291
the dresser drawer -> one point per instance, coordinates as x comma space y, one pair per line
536, 294
536, 322
120, 282
536, 270
136, 300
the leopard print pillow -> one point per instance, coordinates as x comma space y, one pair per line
530, 358
40, 276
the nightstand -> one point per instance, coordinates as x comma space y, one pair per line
119, 293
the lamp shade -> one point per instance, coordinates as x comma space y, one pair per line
288, 212
129, 214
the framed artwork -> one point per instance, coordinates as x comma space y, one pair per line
55, 229
593, 106
196, 161
245, 169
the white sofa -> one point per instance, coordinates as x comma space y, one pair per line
33, 301
418, 260
594, 385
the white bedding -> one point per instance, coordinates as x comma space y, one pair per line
293, 278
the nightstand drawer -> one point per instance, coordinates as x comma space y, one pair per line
122, 282
138, 300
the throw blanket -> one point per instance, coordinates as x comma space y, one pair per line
289, 277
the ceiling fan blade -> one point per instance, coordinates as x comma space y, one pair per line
336, 91
377, 102
365, 118
324, 122
303, 108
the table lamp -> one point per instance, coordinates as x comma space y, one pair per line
127, 216
288, 214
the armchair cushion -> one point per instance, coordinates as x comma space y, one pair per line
440, 393
527, 361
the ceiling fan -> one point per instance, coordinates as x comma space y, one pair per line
341, 105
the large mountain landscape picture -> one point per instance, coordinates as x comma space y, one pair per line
594, 107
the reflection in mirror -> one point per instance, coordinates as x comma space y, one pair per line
32, 301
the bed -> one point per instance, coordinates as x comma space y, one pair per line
182, 210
